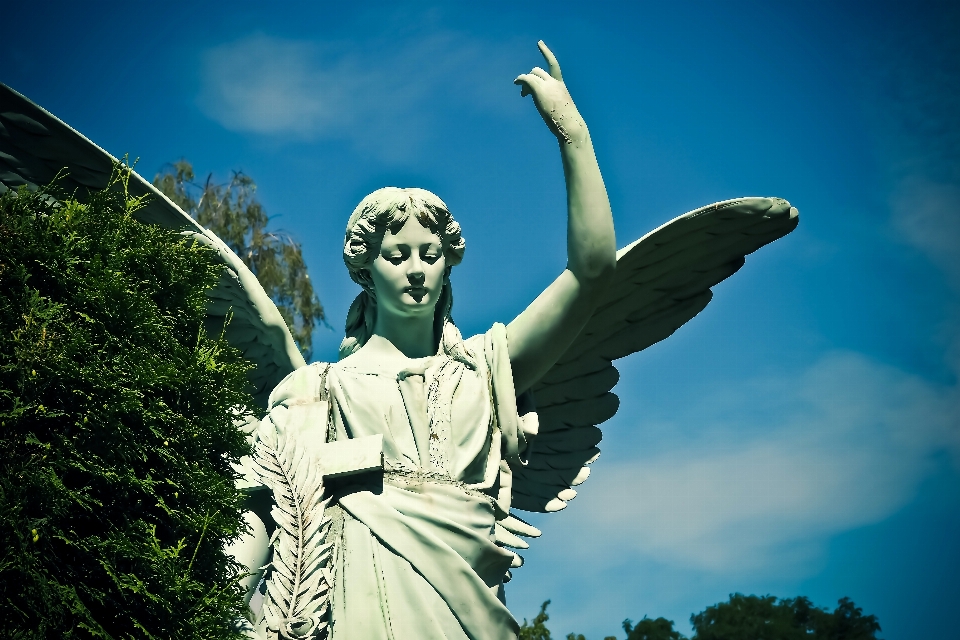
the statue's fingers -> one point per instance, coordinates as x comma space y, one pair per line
526, 82
540, 73
524, 86
527, 78
551, 60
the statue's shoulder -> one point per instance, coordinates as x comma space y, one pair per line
306, 384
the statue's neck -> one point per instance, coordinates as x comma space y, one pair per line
411, 336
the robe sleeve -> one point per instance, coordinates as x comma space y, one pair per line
299, 404
515, 430
497, 356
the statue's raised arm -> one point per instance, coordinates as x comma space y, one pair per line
607, 304
544, 330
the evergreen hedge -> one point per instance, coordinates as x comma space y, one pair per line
116, 433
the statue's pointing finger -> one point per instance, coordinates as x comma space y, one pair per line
551, 60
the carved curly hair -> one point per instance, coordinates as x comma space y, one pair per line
389, 208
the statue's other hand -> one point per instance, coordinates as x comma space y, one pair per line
552, 99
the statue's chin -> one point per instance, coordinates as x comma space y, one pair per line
416, 304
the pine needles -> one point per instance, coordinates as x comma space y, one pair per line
116, 433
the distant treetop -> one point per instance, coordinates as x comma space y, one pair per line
743, 618
232, 212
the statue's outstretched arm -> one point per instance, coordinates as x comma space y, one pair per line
544, 330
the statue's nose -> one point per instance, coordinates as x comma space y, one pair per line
416, 277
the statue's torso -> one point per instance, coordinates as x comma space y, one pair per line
435, 414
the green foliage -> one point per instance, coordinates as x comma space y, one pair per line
743, 618
116, 492
766, 618
647, 629
232, 212
537, 630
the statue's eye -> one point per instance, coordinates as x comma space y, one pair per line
394, 255
430, 253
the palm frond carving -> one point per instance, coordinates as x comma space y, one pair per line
299, 577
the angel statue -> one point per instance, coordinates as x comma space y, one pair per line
384, 488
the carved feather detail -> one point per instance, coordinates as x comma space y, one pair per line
299, 579
662, 281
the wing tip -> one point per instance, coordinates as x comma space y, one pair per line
555, 505
581, 477
520, 527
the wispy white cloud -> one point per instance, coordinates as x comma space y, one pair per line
927, 214
913, 104
851, 442
379, 94
269, 86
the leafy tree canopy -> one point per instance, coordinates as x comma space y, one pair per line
743, 618
536, 630
116, 431
233, 213
647, 629
766, 618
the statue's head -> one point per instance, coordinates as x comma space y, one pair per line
398, 215
390, 208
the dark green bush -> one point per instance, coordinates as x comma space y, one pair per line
116, 434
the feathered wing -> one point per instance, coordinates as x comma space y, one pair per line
36, 146
662, 280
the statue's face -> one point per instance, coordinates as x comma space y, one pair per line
408, 272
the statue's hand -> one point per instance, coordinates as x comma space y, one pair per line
553, 100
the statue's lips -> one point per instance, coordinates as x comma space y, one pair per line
416, 292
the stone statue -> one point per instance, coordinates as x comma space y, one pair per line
384, 488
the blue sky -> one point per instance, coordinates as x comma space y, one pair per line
801, 436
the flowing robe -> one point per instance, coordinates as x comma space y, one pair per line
415, 555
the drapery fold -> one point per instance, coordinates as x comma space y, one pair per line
444, 533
